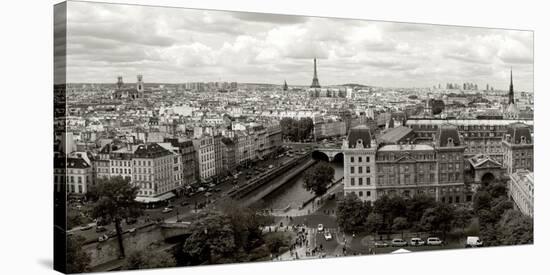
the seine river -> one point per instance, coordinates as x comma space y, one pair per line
293, 193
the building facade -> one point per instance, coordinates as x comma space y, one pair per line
521, 190
156, 170
479, 136
517, 147
72, 175
359, 151
205, 156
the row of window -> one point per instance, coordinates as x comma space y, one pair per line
361, 194
359, 169
71, 179
359, 159
359, 181
390, 157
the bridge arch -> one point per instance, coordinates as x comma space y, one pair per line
339, 157
318, 155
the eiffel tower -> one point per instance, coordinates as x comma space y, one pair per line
315, 82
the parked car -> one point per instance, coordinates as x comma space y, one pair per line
103, 238
433, 241
398, 243
184, 203
320, 227
167, 209
473, 241
131, 220
328, 236
132, 230
416, 242
111, 233
381, 244
100, 228
86, 227
201, 189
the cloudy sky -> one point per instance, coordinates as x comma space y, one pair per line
177, 45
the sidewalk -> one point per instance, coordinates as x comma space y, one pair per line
312, 206
300, 251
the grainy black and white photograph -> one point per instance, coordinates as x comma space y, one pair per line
188, 137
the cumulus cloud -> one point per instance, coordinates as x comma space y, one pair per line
180, 45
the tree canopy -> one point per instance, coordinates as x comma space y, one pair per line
116, 201
318, 177
78, 260
352, 213
296, 130
231, 235
147, 259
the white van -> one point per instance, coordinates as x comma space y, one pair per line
473, 241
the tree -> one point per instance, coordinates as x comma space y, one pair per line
500, 205
382, 206
77, 259
318, 177
462, 217
400, 224
375, 222
438, 218
482, 200
247, 225
515, 228
498, 189
211, 240
416, 207
296, 130
398, 208
147, 259
352, 213
116, 202
233, 234
489, 234
390, 208
276, 241
437, 106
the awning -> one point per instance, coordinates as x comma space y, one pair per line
162, 197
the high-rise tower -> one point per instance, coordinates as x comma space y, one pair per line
511, 91
315, 82
119, 82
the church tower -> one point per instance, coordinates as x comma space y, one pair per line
285, 86
139, 84
511, 91
315, 82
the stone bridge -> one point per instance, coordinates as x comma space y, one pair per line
328, 154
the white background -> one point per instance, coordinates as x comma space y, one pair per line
26, 135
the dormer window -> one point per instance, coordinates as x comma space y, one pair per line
523, 140
450, 142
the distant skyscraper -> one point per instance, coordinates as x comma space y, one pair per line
315, 82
